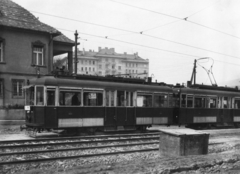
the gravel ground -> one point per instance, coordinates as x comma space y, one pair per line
222, 158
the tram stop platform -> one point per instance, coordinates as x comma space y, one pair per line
183, 142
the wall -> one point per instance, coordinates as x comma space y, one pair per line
18, 60
12, 116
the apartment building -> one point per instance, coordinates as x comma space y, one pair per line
107, 62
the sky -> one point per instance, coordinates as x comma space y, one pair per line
170, 33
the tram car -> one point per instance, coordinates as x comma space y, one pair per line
86, 105
202, 106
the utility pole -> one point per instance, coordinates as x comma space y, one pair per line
76, 61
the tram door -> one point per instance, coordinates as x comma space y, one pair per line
110, 110
176, 108
119, 110
51, 110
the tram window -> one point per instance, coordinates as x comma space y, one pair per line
237, 103
225, 102
183, 100
212, 102
144, 100
50, 98
189, 101
171, 101
199, 102
229, 102
93, 98
109, 98
69, 98
76, 99
160, 100
39, 97
129, 98
120, 98
30, 96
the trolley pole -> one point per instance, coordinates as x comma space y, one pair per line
193, 78
76, 61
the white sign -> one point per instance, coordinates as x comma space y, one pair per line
27, 108
92, 95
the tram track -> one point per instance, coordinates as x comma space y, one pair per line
36, 156
26, 153
75, 140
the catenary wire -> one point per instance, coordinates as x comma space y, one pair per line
102, 37
133, 43
134, 32
184, 19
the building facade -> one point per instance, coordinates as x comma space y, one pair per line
107, 62
27, 48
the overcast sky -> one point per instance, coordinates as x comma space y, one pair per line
211, 29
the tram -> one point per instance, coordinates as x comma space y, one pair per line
86, 105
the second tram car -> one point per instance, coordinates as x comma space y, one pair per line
208, 106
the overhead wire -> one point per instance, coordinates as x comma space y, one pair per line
102, 37
106, 37
183, 19
135, 32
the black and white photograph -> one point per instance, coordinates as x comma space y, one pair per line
120, 86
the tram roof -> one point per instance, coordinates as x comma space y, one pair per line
70, 82
210, 92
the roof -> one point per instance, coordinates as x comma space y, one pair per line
13, 15
72, 82
110, 53
63, 39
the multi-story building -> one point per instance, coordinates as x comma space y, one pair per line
107, 62
27, 48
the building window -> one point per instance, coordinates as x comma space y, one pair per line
82, 68
17, 88
93, 62
2, 43
90, 62
38, 53
89, 68
38, 56
93, 69
85, 68
1, 88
